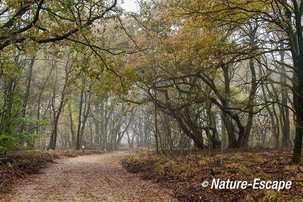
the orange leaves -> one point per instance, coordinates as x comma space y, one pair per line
192, 169
217, 13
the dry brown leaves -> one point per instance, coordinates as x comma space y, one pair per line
185, 174
89, 178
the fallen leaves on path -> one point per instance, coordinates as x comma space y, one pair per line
89, 178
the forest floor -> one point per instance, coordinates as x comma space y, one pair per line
185, 172
96, 177
177, 175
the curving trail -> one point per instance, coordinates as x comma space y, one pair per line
89, 178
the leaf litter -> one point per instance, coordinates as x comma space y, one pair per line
184, 173
88, 178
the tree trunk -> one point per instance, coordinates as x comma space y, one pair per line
284, 111
71, 124
195, 134
298, 104
26, 96
227, 121
78, 143
296, 43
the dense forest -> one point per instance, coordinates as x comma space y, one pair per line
208, 90
175, 74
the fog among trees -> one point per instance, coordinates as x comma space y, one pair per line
176, 75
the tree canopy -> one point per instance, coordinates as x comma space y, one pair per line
208, 74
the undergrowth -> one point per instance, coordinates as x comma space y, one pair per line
184, 174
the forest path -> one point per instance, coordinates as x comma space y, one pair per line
89, 178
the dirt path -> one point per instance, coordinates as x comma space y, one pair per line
89, 178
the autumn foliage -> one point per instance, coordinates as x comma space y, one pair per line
183, 172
